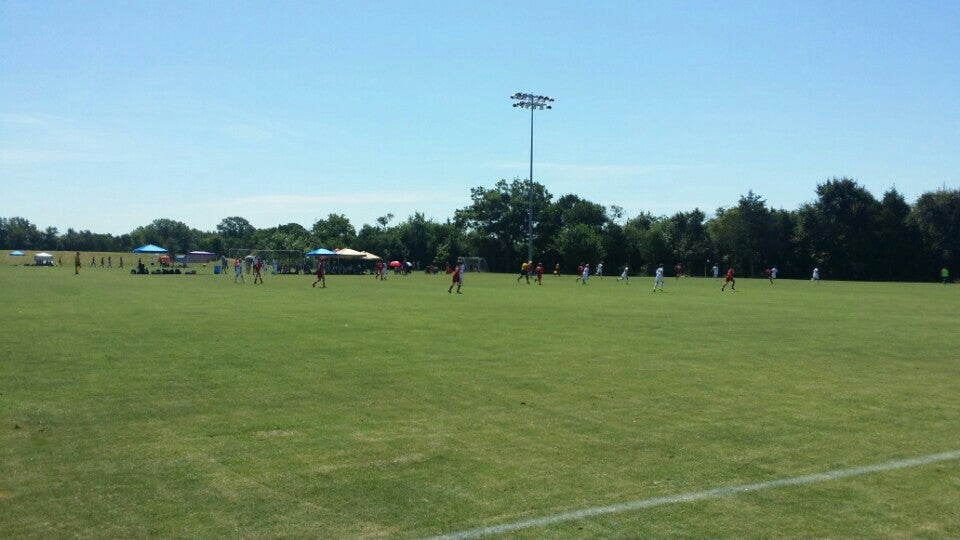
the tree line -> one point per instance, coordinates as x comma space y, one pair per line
845, 231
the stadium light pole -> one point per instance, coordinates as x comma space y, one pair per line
532, 102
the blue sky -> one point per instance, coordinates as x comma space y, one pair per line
113, 114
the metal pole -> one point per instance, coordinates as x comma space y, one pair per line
532, 102
530, 196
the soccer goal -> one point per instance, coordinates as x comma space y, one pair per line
474, 264
277, 261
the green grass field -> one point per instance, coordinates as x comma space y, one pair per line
187, 406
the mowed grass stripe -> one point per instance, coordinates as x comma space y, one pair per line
698, 496
186, 405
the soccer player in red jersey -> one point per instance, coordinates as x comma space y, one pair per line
258, 271
320, 276
730, 280
456, 279
539, 273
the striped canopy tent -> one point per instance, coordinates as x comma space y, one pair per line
367, 256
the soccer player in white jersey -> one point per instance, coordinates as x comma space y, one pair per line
658, 278
625, 276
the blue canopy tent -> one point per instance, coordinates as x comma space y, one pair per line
16, 253
149, 248
321, 252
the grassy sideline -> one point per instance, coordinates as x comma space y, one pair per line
189, 406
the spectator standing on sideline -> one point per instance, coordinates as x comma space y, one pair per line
716, 271
121, 263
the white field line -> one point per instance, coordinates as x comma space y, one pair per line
697, 496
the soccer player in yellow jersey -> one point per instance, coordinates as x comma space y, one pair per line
525, 271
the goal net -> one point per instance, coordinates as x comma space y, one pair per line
276, 261
474, 264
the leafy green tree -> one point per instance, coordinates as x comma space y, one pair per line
451, 243
236, 232
691, 245
656, 245
381, 240
19, 233
898, 250
291, 236
838, 231
335, 232
234, 227
416, 235
580, 242
558, 221
781, 251
175, 236
496, 222
634, 232
936, 215
742, 234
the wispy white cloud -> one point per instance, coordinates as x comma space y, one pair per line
586, 171
20, 119
275, 202
38, 138
29, 156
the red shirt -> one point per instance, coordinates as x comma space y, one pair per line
320, 268
730, 273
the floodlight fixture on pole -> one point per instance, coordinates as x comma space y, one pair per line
532, 102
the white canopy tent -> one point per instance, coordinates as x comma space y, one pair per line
43, 259
347, 253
